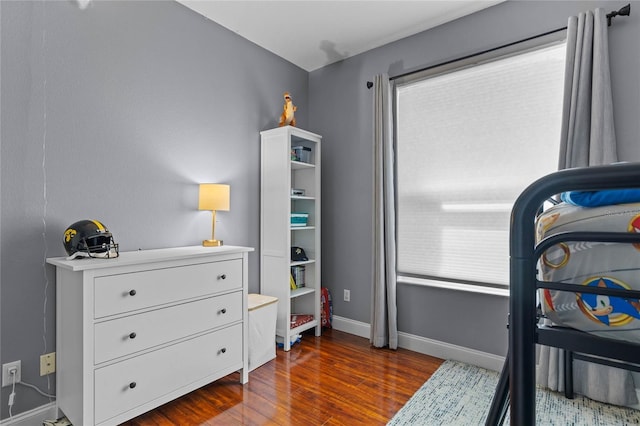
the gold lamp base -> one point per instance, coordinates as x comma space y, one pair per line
212, 243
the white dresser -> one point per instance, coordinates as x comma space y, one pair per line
140, 330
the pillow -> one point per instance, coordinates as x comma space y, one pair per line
601, 198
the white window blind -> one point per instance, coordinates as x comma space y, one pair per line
469, 141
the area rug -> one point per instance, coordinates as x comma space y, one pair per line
460, 394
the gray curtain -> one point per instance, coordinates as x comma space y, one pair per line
588, 139
384, 325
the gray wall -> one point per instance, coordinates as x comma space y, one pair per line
340, 108
118, 111
115, 113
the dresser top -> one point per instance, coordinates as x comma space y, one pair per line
146, 256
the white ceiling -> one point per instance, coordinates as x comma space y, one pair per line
312, 34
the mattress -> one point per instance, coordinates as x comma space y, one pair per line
612, 265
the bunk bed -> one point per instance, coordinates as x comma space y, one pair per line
516, 387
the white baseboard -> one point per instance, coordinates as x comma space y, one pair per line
32, 417
426, 346
449, 351
361, 329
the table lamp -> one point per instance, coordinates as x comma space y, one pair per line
213, 197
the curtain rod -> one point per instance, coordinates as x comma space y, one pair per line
624, 11
370, 84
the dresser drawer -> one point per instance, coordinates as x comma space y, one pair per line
134, 333
115, 294
128, 384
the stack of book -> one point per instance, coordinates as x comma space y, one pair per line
297, 277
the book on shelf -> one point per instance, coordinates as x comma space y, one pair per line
292, 282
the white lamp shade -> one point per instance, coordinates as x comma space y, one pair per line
214, 196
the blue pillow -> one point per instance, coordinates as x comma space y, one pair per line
601, 198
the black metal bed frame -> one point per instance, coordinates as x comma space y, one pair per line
517, 384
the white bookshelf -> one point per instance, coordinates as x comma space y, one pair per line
279, 175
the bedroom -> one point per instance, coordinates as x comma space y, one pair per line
123, 151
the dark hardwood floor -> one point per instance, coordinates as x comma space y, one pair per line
336, 379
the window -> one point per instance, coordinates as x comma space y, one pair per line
470, 137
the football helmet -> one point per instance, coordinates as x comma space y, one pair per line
89, 238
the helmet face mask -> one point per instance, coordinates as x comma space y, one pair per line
89, 238
99, 246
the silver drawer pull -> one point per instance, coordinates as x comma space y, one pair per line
132, 293
222, 277
132, 385
223, 310
132, 335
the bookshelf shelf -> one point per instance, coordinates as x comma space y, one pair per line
304, 327
302, 228
302, 262
301, 292
298, 165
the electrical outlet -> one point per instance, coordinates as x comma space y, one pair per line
347, 295
47, 363
7, 379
